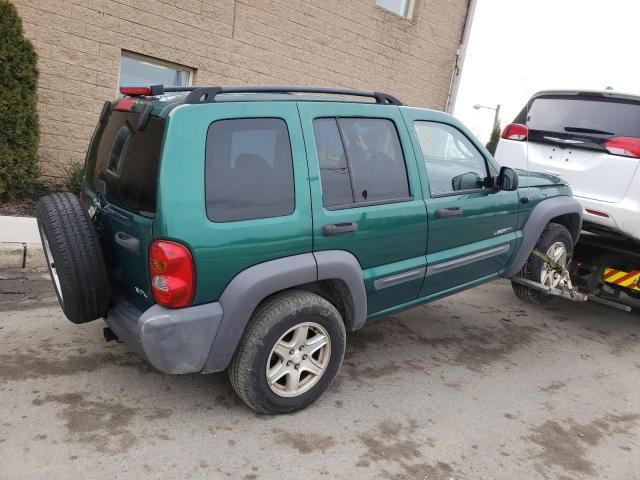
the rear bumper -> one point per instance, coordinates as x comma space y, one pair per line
173, 341
622, 217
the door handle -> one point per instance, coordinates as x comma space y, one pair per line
339, 228
449, 212
127, 242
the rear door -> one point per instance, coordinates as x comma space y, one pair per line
121, 181
472, 227
567, 137
366, 196
234, 188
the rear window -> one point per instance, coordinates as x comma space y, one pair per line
249, 171
579, 114
125, 162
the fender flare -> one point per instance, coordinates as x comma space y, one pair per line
341, 265
251, 286
540, 216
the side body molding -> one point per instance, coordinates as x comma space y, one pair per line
247, 289
540, 216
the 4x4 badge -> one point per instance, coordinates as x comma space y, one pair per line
502, 231
139, 291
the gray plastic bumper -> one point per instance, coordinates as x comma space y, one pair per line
173, 341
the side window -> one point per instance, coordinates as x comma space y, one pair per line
248, 170
361, 161
453, 163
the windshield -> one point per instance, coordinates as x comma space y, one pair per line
580, 115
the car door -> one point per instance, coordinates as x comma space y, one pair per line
234, 188
472, 226
366, 196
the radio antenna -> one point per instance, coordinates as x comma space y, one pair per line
526, 123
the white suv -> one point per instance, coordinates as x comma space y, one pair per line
592, 140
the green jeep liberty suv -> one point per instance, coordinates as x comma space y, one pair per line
250, 228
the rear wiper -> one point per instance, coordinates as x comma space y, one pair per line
587, 130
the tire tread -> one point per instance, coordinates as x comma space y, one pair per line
77, 254
265, 317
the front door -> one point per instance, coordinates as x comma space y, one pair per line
366, 196
472, 227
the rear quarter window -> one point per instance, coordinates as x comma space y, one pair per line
248, 170
126, 162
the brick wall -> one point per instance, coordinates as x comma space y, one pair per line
351, 43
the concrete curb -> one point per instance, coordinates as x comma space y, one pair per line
20, 245
21, 255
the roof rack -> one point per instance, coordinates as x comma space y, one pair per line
208, 94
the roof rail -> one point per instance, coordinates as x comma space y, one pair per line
208, 94
179, 89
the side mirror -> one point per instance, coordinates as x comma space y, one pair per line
466, 181
507, 179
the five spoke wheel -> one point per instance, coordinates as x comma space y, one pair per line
298, 359
549, 276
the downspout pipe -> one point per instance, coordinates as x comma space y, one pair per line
460, 56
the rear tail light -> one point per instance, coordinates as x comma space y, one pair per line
626, 146
172, 274
515, 131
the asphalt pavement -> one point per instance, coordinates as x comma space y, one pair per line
476, 386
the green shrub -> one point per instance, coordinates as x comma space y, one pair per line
18, 115
74, 175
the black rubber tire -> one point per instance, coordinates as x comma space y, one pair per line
77, 257
532, 270
269, 322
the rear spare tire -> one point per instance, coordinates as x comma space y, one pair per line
74, 257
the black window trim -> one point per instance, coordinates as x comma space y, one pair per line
365, 203
89, 169
347, 160
370, 204
293, 169
457, 192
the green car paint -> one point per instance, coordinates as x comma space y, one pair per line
407, 253
392, 237
222, 250
488, 220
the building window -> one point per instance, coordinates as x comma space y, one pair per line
399, 7
140, 70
